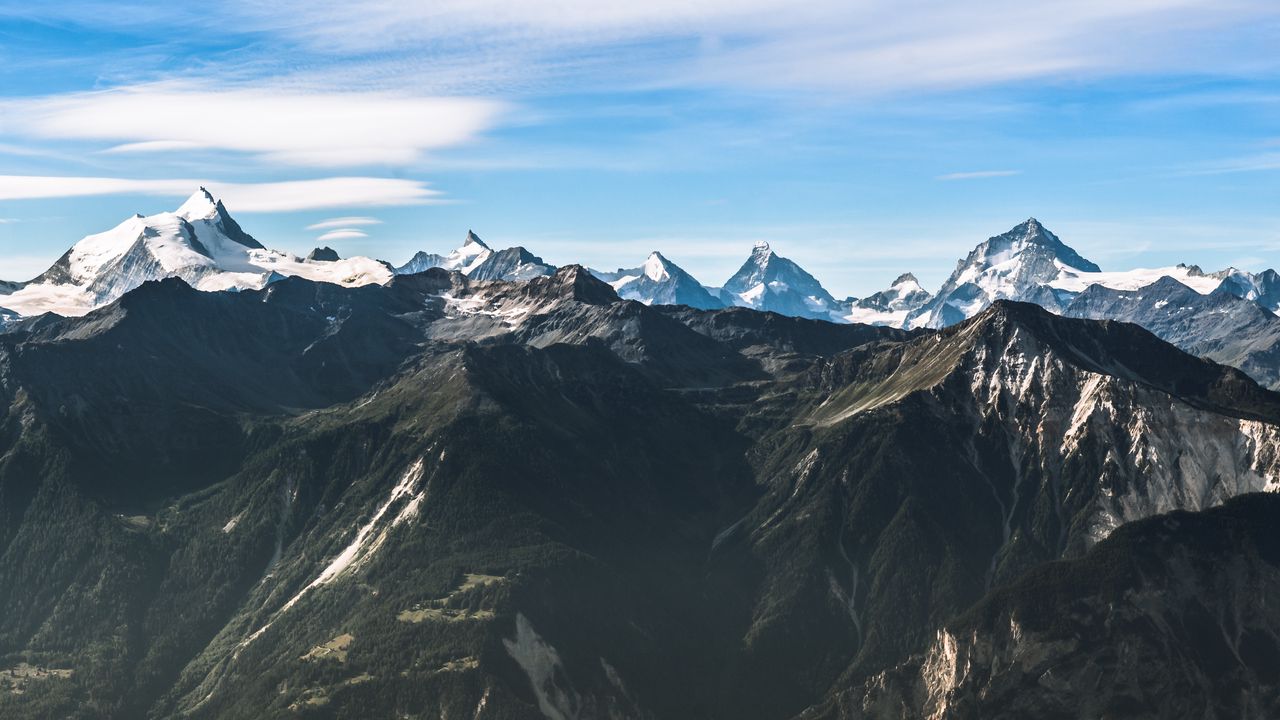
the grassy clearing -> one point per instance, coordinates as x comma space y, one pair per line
335, 649
19, 677
319, 696
438, 610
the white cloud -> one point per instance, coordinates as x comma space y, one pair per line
978, 174
342, 222
316, 194
281, 126
36, 187
151, 146
345, 234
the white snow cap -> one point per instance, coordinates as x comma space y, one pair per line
474, 239
200, 205
656, 267
192, 243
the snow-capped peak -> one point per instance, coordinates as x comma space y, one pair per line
199, 242
891, 306
905, 280
1027, 238
465, 259
1020, 264
200, 206
1262, 288
655, 267
658, 281
767, 281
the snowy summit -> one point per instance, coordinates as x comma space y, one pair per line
199, 242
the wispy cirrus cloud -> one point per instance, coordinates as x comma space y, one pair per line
1258, 162
871, 46
315, 194
342, 222
978, 174
288, 127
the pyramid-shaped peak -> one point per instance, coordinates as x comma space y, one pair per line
1026, 235
474, 239
1031, 228
655, 267
201, 204
761, 249
905, 278
1011, 311
577, 283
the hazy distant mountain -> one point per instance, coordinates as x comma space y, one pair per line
465, 259
513, 263
478, 261
203, 245
1220, 326
199, 242
323, 254
1030, 264
1018, 265
891, 306
660, 282
767, 281
1262, 288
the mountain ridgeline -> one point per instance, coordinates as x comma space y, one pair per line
446, 495
1228, 316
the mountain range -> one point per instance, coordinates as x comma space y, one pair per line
534, 498
1228, 316
481, 486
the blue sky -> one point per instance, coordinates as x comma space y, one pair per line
862, 139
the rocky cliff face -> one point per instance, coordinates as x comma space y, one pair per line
1163, 619
905, 480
